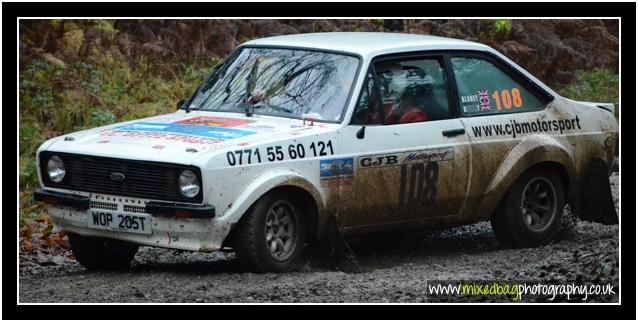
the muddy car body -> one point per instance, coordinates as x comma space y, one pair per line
374, 130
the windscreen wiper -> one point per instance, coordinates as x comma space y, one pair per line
249, 84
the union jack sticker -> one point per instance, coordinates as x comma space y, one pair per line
484, 100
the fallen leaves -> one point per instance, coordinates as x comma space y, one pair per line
39, 245
37, 207
43, 217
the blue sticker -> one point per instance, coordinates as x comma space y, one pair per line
335, 169
211, 132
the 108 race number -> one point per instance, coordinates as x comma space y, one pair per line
417, 187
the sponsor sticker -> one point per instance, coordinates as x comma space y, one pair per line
418, 156
209, 132
431, 155
336, 171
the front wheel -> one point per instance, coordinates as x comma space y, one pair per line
101, 253
531, 211
270, 236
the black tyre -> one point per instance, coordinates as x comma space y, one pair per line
101, 253
532, 210
270, 236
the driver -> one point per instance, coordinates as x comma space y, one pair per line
409, 89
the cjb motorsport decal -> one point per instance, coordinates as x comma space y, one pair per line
385, 160
513, 128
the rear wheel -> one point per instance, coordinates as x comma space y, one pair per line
102, 253
531, 211
270, 237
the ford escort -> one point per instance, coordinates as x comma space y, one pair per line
376, 131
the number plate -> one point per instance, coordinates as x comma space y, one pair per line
139, 224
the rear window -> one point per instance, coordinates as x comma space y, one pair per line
484, 88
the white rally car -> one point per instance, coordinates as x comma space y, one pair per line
377, 131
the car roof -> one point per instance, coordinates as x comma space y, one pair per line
367, 44
371, 44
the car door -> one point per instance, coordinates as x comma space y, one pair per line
410, 152
498, 107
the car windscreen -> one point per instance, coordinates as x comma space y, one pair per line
280, 82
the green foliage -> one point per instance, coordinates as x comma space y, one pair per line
598, 85
502, 26
101, 117
494, 29
28, 175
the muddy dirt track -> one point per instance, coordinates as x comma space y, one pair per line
393, 268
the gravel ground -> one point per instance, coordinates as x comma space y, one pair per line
393, 268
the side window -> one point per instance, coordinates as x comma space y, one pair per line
412, 90
483, 88
367, 110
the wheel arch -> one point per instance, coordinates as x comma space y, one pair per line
529, 154
293, 183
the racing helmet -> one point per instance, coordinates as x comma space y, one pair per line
410, 81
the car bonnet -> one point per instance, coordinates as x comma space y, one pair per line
183, 137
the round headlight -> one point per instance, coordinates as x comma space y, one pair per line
55, 169
188, 184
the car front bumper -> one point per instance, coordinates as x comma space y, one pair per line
174, 225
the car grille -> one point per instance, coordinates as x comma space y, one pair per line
103, 205
135, 209
150, 180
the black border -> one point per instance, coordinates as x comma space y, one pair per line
628, 238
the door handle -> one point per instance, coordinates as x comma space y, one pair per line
453, 132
